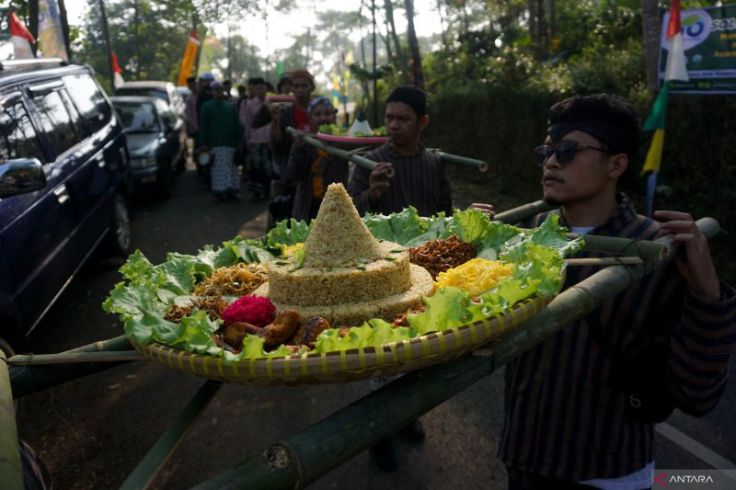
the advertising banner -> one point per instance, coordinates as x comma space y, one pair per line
709, 38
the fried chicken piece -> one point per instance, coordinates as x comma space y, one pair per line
403, 319
281, 329
234, 333
307, 334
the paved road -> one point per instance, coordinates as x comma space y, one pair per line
91, 432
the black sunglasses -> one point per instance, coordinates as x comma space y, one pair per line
564, 152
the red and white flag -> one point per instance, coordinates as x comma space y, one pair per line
676, 61
21, 38
118, 77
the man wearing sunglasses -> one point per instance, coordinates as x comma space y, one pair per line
581, 406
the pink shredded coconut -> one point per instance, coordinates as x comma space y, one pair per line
256, 310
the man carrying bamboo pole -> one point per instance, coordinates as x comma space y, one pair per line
312, 169
419, 180
581, 406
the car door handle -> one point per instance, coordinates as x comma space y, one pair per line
100, 160
62, 194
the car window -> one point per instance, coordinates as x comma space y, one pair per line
56, 121
89, 101
17, 137
138, 118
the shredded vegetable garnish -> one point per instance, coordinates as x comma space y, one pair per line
236, 280
475, 276
212, 306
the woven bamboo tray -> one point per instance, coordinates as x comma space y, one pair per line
349, 365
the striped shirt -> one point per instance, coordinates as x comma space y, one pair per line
564, 418
420, 180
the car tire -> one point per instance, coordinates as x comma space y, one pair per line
117, 242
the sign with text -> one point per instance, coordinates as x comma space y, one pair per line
709, 39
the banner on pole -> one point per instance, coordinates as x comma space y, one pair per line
709, 42
187, 61
50, 36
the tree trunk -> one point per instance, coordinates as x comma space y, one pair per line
136, 40
387, 43
400, 55
106, 33
33, 22
416, 57
541, 30
445, 44
532, 7
65, 28
652, 30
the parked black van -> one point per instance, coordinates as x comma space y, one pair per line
64, 186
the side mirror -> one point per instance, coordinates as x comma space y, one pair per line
21, 176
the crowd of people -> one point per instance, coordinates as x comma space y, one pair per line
250, 132
581, 406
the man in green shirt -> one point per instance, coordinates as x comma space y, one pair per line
221, 133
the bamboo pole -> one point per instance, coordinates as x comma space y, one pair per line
114, 344
74, 358
156, 457
11, 474
307, 456
338, 152
472, 162
645, 249
522, 213
580, 262
30, 379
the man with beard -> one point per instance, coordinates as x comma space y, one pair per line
419, 180
581, 406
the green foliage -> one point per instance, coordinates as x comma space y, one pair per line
148, 36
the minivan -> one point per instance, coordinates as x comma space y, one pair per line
64, 186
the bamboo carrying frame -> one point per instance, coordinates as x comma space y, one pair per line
352, 364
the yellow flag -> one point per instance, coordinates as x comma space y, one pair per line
187, 61
654, 155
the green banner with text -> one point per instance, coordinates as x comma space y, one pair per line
709, 39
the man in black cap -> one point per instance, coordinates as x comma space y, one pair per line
581, 406
419, 179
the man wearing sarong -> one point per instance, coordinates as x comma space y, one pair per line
221, 133
259, 162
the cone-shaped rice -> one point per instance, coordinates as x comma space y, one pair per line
338, 236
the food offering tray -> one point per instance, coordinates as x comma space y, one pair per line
349, 365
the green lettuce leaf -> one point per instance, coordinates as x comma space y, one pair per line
551, 234
373, 333
397, 227
286, 232
446, 308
